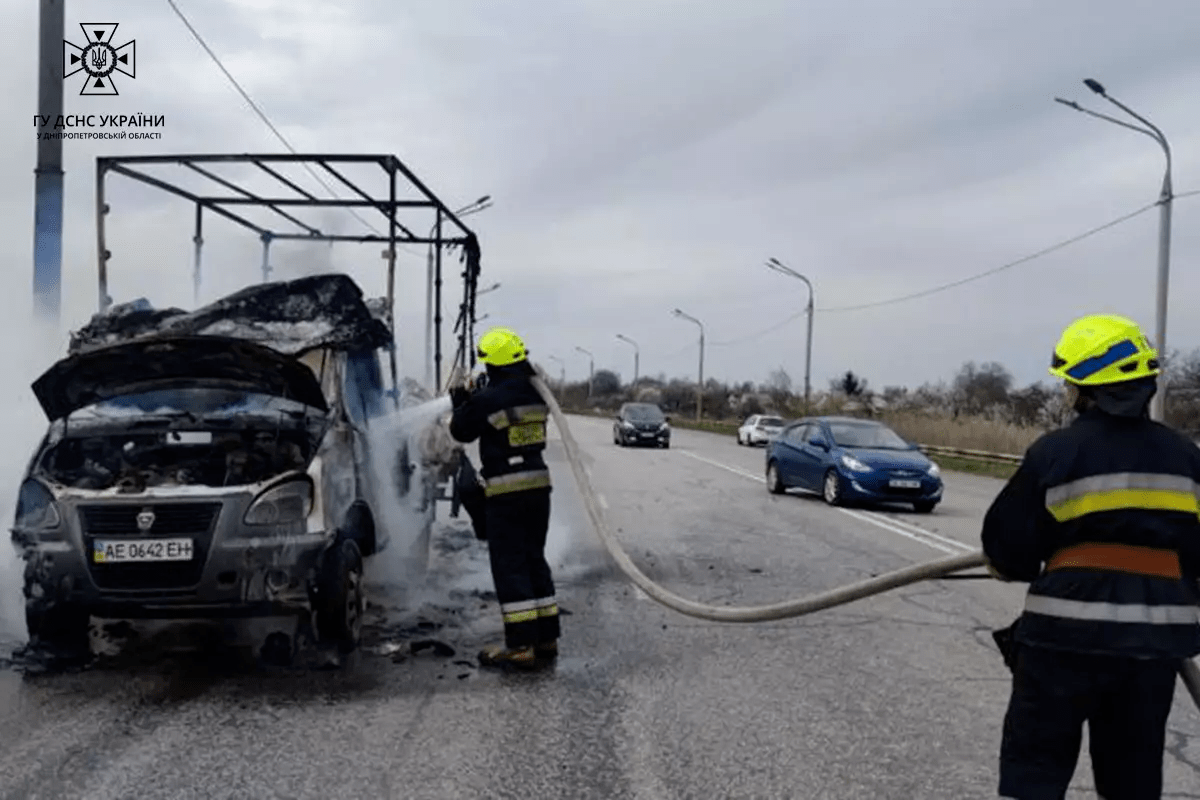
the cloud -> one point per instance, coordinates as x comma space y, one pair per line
650, 156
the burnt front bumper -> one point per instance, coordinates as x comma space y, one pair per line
234, 571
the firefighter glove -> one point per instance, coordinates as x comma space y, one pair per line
459, 395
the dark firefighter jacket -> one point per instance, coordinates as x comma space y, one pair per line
1102, 520
508, 417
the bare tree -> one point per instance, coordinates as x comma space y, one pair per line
850, 384
606, 382
978, 388
779, 386
1027, 406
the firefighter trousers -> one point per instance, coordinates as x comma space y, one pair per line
1125, 703
517, 524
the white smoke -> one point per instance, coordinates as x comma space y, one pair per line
400, 566
30, 346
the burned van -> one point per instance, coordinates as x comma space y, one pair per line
210, 464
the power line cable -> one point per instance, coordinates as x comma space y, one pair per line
261, 115
961, 281
1026, 259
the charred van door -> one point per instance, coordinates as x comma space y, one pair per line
365, 399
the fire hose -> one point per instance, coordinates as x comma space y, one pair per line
842, 595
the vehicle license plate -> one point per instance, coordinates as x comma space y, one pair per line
904, 484
128, 551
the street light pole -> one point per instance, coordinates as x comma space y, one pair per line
48, 173
778, 266
1165, 198
481, 204
700, 385
636, 357
591, 369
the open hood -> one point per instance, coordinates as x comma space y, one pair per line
173, 362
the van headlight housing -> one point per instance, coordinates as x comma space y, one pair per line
36, 509
281, 504
934, 470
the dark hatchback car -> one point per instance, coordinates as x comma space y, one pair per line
641, 424
851, 460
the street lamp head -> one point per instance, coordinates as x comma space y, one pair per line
483, 199
1094, 85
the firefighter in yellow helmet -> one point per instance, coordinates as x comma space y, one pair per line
508, 417
1101, 519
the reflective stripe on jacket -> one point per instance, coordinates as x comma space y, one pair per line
1102, 519
509, 419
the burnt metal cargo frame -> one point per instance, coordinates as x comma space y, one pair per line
400, 178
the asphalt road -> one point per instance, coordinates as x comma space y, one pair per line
897, 696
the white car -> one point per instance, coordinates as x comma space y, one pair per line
759, 429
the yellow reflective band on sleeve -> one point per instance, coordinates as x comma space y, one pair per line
548, 611
517, 482
1122, 491
513, 617
518, 415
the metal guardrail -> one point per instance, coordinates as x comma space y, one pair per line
978, 455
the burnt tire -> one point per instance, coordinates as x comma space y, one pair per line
60, 629
340, 603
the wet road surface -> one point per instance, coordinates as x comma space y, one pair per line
897, 696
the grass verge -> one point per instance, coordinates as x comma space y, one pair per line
964, 433
988, 469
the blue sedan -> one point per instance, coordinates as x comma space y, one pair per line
851, 460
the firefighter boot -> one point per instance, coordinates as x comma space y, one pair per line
547, 651
498, 656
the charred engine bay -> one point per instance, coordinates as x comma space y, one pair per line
180, 450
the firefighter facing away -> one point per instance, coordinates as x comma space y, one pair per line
1101, 519
508, 417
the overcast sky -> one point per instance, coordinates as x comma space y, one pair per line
646, 155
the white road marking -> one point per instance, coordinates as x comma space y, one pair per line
909, 531
966, 548
734, 470
603, 502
